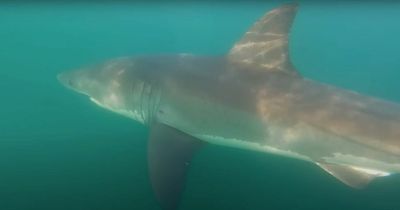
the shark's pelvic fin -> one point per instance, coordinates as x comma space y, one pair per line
265, 45
350, 176
169, 154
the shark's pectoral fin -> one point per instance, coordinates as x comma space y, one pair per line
265, 45
169, 154
354, 177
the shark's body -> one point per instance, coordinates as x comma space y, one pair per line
250, 99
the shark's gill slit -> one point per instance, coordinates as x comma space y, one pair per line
146, 104
155, 97
149, 107
133, 96
141, 101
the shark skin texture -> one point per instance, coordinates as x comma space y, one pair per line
252, 98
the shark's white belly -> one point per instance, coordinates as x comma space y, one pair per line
242, 144
374, 167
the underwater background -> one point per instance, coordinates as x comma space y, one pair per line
59, 151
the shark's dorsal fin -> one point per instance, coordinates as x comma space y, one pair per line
265, 45
353, 177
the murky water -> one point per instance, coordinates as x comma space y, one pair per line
60, 151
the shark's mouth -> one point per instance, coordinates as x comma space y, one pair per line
127, 113
96, 102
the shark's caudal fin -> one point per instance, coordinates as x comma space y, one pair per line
265, 45
169, 154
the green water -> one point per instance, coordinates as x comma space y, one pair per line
59, 151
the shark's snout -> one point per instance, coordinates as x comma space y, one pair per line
65, 79
77, 81
61, 78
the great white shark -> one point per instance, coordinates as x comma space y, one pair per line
252, 98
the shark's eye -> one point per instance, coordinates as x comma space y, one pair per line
70, 82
